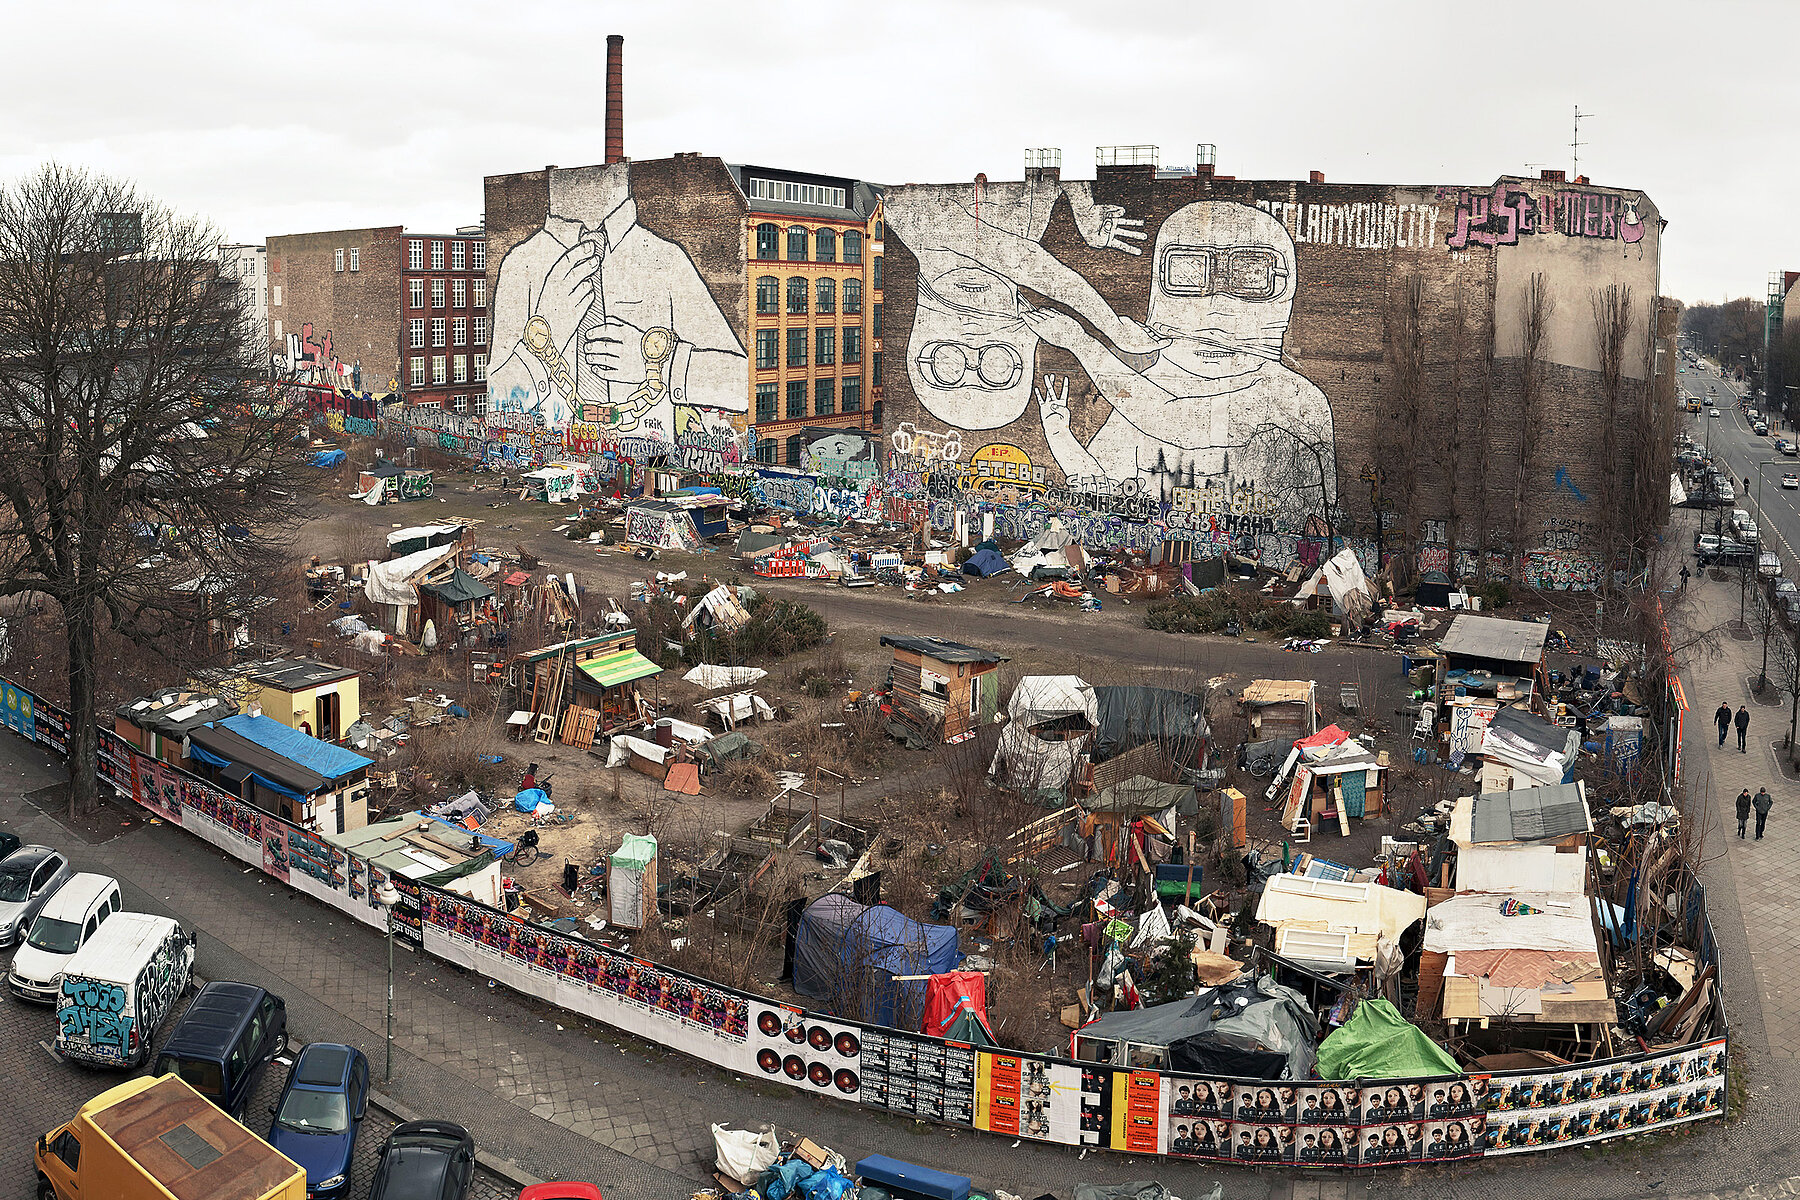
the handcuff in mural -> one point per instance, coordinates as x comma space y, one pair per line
538, 340
658, 347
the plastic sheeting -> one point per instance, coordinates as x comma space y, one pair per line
391, 582
528, 800
712, 678
1378, 1043
1024, 758
846, 955
1262, 1030
1131, 716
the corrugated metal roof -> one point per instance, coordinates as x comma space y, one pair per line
1496, 638
942, 650
1529, 814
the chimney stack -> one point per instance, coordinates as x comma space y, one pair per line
615, 98
1315, 177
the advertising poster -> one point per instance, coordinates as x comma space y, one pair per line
275, 856
159, 788
997, 1093
16, 709
1137, 1111
818, 1055
1530, 1111
317, 859
1262, 1142
50, 725
904, 1073
408, 922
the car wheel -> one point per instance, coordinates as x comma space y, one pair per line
281, 1042
45, 1191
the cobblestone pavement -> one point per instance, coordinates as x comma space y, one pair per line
572, 1100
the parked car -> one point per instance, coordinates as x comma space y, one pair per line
224, 1041
1706, 543
1784, 587
1750, 533
320, 1113
1768, 565
1762, 429
68, 921
29, 876
1790, 481
1729, 554
425, 1160
8, 843
140, 965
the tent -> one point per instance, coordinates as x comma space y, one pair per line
1341, 578
328, 458
1378, 1043
950, 996
661, 523
847, 954
425, 537
1053, 718
1133, 715
1252, 1029
1433, 591
985, 562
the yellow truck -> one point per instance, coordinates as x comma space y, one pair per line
159, 1139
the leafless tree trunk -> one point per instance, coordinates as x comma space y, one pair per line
1534, 326
135, 409
1452, 417
1484, 408
1612, 309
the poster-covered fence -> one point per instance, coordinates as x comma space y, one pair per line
1385, 1122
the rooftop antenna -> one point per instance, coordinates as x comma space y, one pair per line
1575, 145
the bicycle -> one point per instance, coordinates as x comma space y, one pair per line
525, 850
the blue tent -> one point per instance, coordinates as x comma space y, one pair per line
328, 458
528, 800
985, 562
847, 954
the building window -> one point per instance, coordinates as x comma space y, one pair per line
415, 256
480, 297
852, 245
767, 343
768, 295
825, 246
875, 413
478, 401
825, 348
356, 258
459, 369
793, 449
437, 331
852, 297
459, 404
415, 329
276, 301
459, 292
437, 256
796, 398
440, 369
796, 355
827, 296
418, 371
437, 293
459, 331
337, 261
415, 293
852, 345
796, 296
797, 243
768, 240
765, 451
853, 393
875, 369
481, 368
481, 331
456, 256
875, 325
876, 281
478, 258
277, 326
824, 397
880, 231
765, 401
796, 193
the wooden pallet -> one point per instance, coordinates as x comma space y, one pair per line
579, 725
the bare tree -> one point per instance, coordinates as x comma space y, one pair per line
134, 408
1300, 472
1785, 659
1612, 309
1534, 328
1765, 622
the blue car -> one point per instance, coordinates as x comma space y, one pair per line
320, 1113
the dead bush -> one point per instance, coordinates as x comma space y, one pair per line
748, 779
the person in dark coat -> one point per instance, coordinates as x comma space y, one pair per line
1722, 719
1743, 727
1743, 810
1763, 803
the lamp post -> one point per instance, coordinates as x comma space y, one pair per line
389, 896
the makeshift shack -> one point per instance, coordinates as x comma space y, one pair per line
1334, 925
319, 699
664, 524
1522, 750
392, 587
456, 604
1052, 720
724, 610
1116, 811
425, 849
580, 689
1433, 590
1341, 584
984, 562
1336, 779
402, 542
1533, 840
709, 511
158, 724
631, 882
314, 784
1514, 958
1152, 731
869, 962
1492, 652
940, 688
556, 482
1281, 709
1253, 1028
373, 485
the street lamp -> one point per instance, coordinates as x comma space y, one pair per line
389, 897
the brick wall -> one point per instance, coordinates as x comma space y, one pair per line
359, 311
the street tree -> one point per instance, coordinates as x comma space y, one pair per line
1766, 624
150, 480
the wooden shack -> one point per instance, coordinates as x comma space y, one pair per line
582, 688
945, 690
1281, 708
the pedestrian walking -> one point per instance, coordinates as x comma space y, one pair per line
1743, 810
1743, 727
1684, 577
1722, 719
1763, 803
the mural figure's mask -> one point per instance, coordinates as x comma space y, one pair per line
971, 353
1223, 289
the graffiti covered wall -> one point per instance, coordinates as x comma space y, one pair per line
1230, 364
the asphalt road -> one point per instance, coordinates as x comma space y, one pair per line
1743, 455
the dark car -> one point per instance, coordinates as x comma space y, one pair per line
425, 1160
224, 1041
319, 1114
29, 876
8, 843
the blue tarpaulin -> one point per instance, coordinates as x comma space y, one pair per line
985, 563
528, 800
333, 762
328, 458
847, 955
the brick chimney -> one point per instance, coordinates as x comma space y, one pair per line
615, 98
1315, 177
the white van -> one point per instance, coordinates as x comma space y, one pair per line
63, 926
119, 989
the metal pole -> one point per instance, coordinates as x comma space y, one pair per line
387, 1071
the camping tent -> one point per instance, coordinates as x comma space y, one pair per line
1053, 718
985, 562
847, 954
1341, 578
1253, 1028
425, 537
1378, 1043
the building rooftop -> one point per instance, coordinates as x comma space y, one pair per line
941, 650
174, 712
1496, 638
295, 674
1529, 814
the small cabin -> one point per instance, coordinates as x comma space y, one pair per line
944, 688
319, 699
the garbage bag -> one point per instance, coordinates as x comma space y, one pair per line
744, 1155
779, 1182
528, 800
825, 1185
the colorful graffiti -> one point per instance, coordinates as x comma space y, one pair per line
94, 1012
1507, 213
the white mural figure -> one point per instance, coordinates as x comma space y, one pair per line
1216, 402
971, 351
604, 321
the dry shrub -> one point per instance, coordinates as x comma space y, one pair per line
450, 760
745, 779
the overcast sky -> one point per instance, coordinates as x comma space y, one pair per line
283, 119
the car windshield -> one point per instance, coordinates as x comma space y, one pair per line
54, 937
15, 882
314, 1112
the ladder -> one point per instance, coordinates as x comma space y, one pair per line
545, 732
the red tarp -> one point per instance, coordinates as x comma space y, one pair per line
947, 995
1331, 735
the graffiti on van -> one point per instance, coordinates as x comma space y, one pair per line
94, 1012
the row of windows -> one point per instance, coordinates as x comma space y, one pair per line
474, 404
824, 347
459, 331
447, 369
796, 193
462, 292
768, 295
476, 253
355, 259
826, 244
826, 396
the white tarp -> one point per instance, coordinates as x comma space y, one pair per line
740, 707
422, 531
624, 746
1025, 760
1472, 921
1044, 550
1343, 580
712, 678
392, 582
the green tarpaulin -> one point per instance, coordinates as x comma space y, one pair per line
634, 852
1378, 1043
